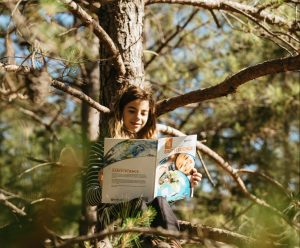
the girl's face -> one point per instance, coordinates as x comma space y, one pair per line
135, 115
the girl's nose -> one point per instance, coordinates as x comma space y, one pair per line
138, 116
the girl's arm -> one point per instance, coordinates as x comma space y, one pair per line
95, 164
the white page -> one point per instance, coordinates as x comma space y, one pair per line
130, 177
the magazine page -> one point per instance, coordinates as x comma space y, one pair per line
129, 170
175, 160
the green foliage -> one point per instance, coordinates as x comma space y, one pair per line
142, 219
52, 6
255, 128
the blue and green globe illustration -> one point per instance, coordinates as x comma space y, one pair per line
174, 185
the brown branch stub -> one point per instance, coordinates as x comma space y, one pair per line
15, 68
15, 209
229, 85
99, 31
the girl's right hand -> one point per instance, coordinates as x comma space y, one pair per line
196, 177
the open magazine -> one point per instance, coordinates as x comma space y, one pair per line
148, 168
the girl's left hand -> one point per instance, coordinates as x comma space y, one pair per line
195, 177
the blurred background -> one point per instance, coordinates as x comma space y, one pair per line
45, 133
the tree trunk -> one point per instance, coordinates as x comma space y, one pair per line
123, 21
90, 122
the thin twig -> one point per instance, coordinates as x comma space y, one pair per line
61, 86
215, 18
231, 6
99, 31
8, 204
268, 178
171, 37
42, 200
229, 169
36, 167
267, 30
205, 169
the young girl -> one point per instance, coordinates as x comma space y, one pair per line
133, 117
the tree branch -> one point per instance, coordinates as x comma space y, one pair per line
189, 232
171, 37
59, 85
15, 68
218, 234
20, 22
80, 95
268, 178
269, 32
99, 31
228, 168
11, 206
232, 6
230, 84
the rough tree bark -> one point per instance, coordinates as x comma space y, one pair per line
123, 22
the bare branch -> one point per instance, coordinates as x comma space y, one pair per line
215, 18
61, 86
268, 178
165, 86
171, 37
220, 235
8, 204
189, 115
233, 7
272, 34
42, 200
144, 230
20, 22
191, 233
229, 85
15, 68
205, 169
37, 167
99, 31
12, 94
228, 168
36, 118
92, 6
79, 94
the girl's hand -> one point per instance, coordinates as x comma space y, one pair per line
195, 177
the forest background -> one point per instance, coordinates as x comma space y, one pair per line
230, 72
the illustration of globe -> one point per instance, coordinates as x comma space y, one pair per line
174, 185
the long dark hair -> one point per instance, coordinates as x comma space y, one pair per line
130, 94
